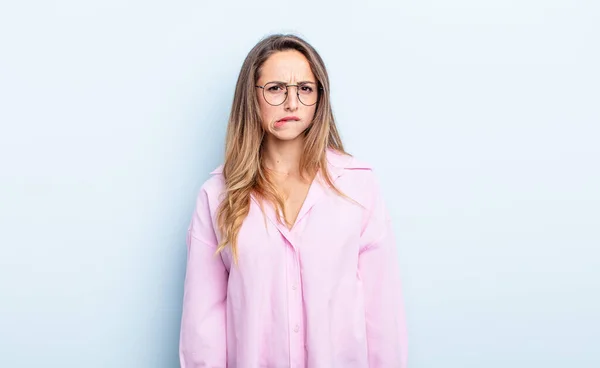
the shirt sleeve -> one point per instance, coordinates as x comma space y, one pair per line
380, 276
203, 323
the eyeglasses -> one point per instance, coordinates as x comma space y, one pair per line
275, 93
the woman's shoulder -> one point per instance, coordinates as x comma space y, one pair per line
213, 186
355, 177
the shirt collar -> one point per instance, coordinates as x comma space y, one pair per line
218, 170
339, 162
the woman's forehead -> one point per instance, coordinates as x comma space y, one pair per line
287, 66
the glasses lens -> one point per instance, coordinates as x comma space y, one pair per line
275, 93
308, 93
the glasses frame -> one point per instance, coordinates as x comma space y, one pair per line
287, 90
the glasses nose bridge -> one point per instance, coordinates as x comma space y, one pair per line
287, 92
287, 88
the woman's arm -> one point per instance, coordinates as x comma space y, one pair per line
380, 275
203, 328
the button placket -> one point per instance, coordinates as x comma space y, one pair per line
295, 303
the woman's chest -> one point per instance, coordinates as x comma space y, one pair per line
329, 233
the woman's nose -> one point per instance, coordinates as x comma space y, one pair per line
291, 102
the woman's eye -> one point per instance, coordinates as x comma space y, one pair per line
307, 89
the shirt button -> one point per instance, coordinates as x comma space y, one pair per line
294, 287
297, 328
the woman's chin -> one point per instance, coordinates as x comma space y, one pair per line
286, 134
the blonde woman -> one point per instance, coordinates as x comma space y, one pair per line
291, 256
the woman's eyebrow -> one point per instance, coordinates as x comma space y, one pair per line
301, 82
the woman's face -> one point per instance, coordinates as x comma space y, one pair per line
289, 67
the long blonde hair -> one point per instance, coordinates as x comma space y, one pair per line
243, 168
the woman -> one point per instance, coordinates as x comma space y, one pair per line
291, 257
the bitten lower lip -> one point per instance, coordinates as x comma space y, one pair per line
291, 117
281, 122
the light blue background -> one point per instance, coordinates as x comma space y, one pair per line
482, 119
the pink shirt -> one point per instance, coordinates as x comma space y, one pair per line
324, 294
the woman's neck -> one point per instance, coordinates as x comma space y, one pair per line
283, 157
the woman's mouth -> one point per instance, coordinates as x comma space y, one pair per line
280, 123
